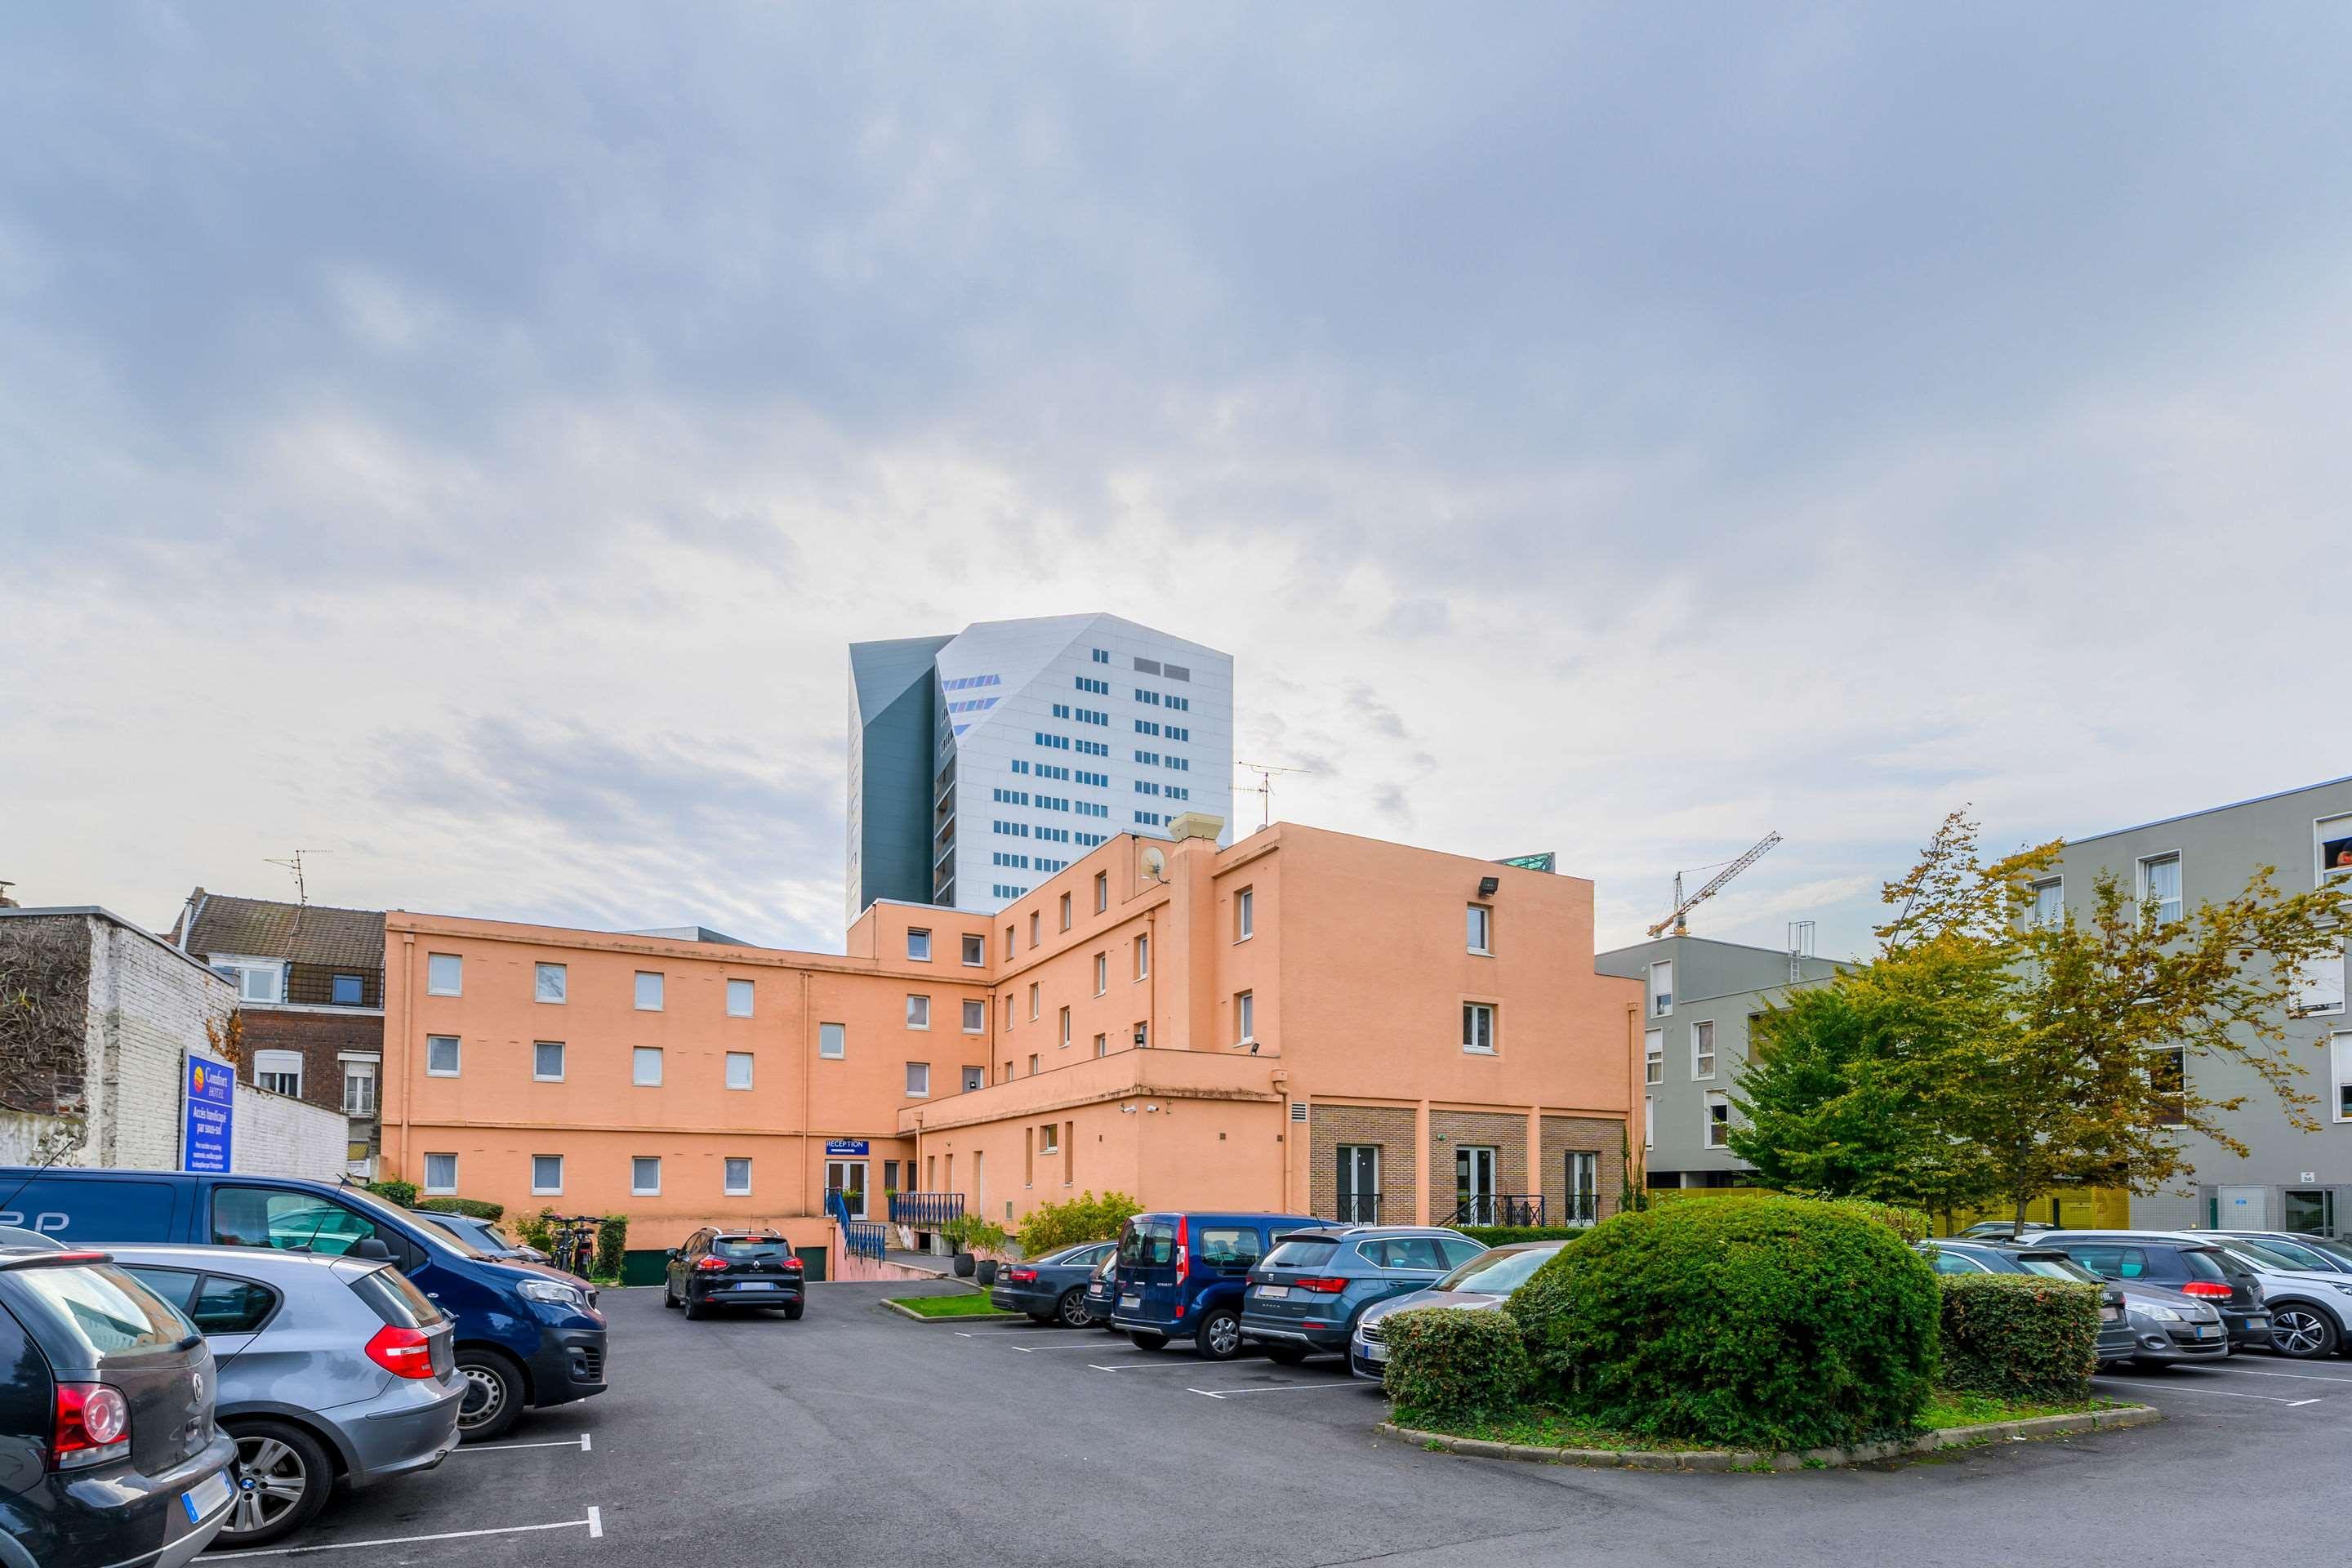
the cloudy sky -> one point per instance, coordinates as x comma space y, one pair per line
460, 442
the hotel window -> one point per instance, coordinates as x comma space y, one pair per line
347, 991
2317, 990
2050, 902
738, 1069
1033, 1065
547, 1061
1662, 989
1653, 1057
919, 946
1245, 1018
974, 1077
1478, 1028
644, 1176
1102, 1045
1142, 958
1049, 1139
1034, 918
649, 991
975, 951
445, 975
359, 1088
833, 1040
2335, 837
975, 1016
440, 1173
441, 1056
1102, 891
645, 1067
1065, 1027
1718, 1120
546, 1175
1245, 914
1482, 929
1102, 973
918, 1080
739, 998
549, 982
919, 1012
739, 1178
2168, 1074
2160, 883
1703, 1049
1065, 911
279, 1071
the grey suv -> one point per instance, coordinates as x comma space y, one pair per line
1306, 1295
330, 1369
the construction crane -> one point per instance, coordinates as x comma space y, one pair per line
1265, 772
1731, 868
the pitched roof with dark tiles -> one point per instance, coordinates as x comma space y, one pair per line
264, 928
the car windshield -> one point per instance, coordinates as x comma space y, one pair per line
2340, 1255
2267, 1254
750, 1246
1499, 1272
2056, 1268
450, 1230
1301, 1255
2210, 1264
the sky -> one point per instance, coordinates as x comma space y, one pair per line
460, 442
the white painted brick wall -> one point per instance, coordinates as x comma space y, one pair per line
147, 1005
277, 1135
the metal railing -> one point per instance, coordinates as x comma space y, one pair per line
1500, 1208
1359, 1208
1583, 1208
925, 1211
862, 1237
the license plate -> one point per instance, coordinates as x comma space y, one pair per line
756, 1285
1130, 1300
1275, 1293
205, 1496
2258, 1322
1375, 1352
2110, 1315
2206, 1330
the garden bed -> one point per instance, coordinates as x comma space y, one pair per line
935, 1309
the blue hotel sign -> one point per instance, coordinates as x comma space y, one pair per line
208, 1115
844, 1148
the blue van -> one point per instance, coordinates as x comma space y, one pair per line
526, 1335
1184, 1274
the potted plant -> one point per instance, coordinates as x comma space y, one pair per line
958, 1232
854, 1201
987, 1239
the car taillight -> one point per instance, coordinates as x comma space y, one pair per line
712, 1262
1183, 1251
1325, 1287
794, 1264
1022, 1276
2206, 1288
93, 1427
404, 1352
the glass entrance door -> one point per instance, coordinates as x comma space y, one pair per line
1360, 1183
848, 1177
2312, 1213
1474, 1184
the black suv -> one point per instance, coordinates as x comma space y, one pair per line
735, 1268
108, 1449
2192, 1267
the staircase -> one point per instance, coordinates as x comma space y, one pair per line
861, 1238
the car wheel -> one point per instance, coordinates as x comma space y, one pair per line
2306, 1333
1072, 1308
793, 1313
1286, 1355
669, 1297
695, 1311
1145, 1339
1220, 1336
284, 1475
493, 1395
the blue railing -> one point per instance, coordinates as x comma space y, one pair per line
862, 1237
925, 1211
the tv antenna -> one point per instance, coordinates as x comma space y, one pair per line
1731, 868
1265, 772
302, 889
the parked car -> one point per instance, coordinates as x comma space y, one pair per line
487, 1238
2310, 1308
1481, 1285
2117, 1340
717, 1268
1052, 1289
2194, 1268
2318, 1254
1306, 1295
527, 1335
109, 1453
1102, 1292
1996, 1227
1183, 1274
304, 1344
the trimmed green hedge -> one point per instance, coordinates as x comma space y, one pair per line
401, 1193
1049, 1228
476, 1208
1497, 1234
2019, 1336
1447, 1364
1775, 1322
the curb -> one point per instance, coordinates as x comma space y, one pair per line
1719, 1462
913, 1317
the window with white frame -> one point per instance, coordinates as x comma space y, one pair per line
1702, 1049
547, 1061
918, 1080
445, 975
441, 1175
1245, 914
546, 1175
975, 951
1142, 958
2168, 1073
974, 1079
2050, 902
975, 1016
645, 1067
1065, 1027
1034, 918
1478, 1027
1653, 1057
2160, 883
1245, 1018
1034, 1002
919, 946
645, 1175
2339, 1055
738, 1177
2334, 836
738, 1069
919, 1012
1032, 1064
278, 1071
1065, 911
1102, 973
649, 991
833, 1041
550, 983
739, 998
1102, 1045
359, 1088
1049, 1138
255, 979
1718, 1120
1102, 891
2317, 991
441, 1056
1662, 989
1482, 929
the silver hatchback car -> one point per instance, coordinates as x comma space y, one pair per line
330, 1369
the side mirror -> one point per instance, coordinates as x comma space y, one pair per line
674, 1254
372, 1249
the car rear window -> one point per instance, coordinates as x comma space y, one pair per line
2057, 1269
1231, 1246
750, 1246
1301, 1255
2204, 1263
396, 1300
1147, 1242
100, 1309
1499, 1272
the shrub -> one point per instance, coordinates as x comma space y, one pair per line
401, 1193
1052, 1227
1498, 1235
476, 1208
612, 1242
1447, 1365
1774, 1323
2019, 1336
535, 1230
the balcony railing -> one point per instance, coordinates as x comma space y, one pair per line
925, 1211
1500, 1208
1583, 1208
1359, 1208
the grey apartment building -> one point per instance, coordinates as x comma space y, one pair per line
2288, 1179
1697, 1004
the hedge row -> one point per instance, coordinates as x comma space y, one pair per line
476, 1208
1497, 1234
2019, 1336
1449, 1366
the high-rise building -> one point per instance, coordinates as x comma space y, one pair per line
982, 763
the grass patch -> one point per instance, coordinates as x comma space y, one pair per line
972, 1305
1947, 1409
1540, 1426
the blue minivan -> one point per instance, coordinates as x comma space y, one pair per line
1184, 1274
526, 1334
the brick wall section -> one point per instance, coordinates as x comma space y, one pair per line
1448, 1129
1606, 1139
320, 1038
1388, 1127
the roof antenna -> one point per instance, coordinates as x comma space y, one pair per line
301, 889
1265, 772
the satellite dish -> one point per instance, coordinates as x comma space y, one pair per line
1155, 863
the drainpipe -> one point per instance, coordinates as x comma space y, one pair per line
808, 1085
407, 1037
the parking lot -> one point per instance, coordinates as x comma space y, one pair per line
854, 1435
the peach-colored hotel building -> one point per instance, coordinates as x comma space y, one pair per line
1303, 1021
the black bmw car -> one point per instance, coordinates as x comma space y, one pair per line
735, 1268
1052, 1288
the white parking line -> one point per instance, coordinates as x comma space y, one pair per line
594, 1523
1160, 1364
581, 1444
2223, 1393
2249, 1372
1278, 1388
